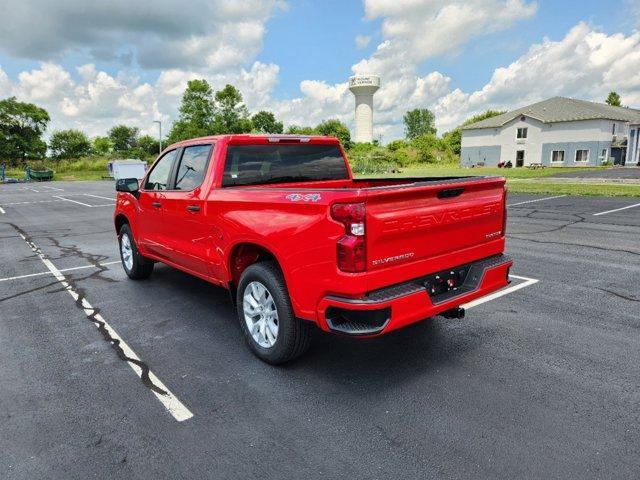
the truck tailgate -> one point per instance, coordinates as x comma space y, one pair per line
422, 221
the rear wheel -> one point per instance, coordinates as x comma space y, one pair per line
266, 318
135, 265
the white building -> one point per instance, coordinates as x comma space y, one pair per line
633, 151
556, 132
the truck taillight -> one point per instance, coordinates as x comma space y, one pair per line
504, 213
352, 247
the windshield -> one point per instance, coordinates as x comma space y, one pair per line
282, 163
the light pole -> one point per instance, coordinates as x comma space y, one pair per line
159, 134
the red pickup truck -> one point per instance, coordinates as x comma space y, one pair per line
282, 224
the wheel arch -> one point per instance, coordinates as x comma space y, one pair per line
119, 220
243, 255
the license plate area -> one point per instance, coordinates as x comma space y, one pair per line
447, 283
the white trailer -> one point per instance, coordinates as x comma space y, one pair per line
128, 168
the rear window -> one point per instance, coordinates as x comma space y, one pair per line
260, 164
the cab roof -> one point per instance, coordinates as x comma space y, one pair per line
256, 139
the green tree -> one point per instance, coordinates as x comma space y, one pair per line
419, 121
69, 144
453, 139
124, 138
297, 130
427, 146
149, 145
21, 129
102, 145
335, 128
613, 99
265, 122
481, 116
232, 115
197, 113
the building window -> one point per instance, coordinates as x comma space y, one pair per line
604, 154
522, 133
557, 156
582, 156
613, 131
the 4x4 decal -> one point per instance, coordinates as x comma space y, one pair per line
308, 197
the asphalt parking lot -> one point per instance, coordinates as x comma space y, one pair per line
541, 382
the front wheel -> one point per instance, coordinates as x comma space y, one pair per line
135, 265
266, 318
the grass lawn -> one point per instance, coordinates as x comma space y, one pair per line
66, 175
519, 180
453, 170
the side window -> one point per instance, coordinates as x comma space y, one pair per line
159, 176
192, 167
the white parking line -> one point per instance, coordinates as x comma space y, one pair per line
98, 196
175, 407
29, 203
53, 188
74, 201
32, 189
62, 270
506, 291
617, 209
536, 200
2, 211
60, 199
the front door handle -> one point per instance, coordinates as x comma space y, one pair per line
156, 204
193, 208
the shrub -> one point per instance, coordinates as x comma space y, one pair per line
397, 145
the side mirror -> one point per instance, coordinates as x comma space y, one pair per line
129, 185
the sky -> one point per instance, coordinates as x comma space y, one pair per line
93, 65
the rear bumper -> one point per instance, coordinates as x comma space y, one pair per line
394, 307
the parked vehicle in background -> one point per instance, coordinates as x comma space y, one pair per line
281, 223
128, 168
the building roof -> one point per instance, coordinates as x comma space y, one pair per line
562, 109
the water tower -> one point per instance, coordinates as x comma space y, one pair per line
363, 87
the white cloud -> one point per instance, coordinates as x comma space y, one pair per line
204, 35
362, 41
586, 63
416, 30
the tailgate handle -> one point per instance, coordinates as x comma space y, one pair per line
450, 192
193, 208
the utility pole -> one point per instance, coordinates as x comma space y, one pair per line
159, 135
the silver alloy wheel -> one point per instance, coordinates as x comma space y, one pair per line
260, 314
126, 251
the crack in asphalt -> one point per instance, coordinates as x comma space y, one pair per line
91, 312
25, 292
581, 219
94, 259
619, 295
571, 244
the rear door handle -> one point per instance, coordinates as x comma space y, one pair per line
156, 204
193, 208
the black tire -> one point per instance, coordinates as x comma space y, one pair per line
141, 267
294, 335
